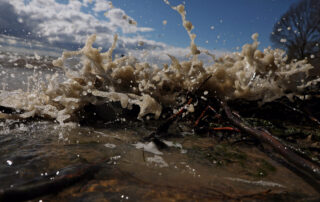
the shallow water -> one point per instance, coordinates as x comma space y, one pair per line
193, 167
119, 164
35, 150
24, 71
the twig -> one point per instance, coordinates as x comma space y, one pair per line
163, 128
203, 113
306, 113
311, 116
264, 136
226, 129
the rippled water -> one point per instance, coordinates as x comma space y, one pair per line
33, 150
197, 168
36, 151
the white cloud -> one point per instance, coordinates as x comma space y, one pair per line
102, 5
67, 26
118, 17
86, 2
159, 55
60, 23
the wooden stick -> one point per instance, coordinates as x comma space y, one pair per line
226, 129
264, 136
203, 113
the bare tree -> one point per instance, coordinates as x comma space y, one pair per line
298, 30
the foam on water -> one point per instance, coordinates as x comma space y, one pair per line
250, 74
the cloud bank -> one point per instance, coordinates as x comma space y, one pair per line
67, 25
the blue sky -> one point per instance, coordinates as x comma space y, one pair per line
67, 24
240, 19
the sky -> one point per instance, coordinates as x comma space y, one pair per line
221, 26
233, 21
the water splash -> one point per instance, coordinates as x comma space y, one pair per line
250, 74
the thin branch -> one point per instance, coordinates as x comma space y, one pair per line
264, 136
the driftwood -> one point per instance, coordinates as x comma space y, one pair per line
264, 136
301, 165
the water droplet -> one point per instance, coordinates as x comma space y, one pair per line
283, 40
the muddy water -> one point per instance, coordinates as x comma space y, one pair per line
129, 169
196, 168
